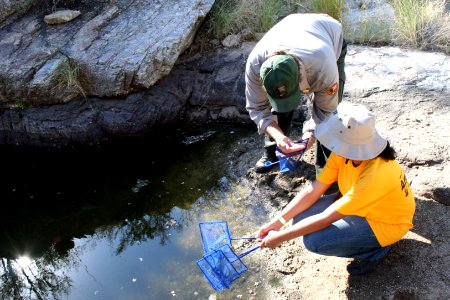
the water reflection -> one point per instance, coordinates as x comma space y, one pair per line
65, 210
38, 279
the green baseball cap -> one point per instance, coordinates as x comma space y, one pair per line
279, 75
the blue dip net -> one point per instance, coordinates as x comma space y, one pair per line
216, 234
220, 264
221, 267
288, 164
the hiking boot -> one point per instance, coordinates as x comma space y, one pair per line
261, 167
361, 266
364, 266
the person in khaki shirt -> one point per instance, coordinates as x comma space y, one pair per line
374, 207
301, 54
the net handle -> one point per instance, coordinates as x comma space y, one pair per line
248, 251
303, 142
243, 238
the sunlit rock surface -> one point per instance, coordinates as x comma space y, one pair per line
113, 48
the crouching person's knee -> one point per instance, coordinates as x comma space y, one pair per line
312, 242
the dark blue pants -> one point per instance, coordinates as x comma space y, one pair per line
349, 237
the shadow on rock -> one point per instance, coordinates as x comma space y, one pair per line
442, 195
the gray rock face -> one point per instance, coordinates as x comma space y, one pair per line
110, 50
12, 9
198, 89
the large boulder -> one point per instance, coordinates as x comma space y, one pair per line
111, 49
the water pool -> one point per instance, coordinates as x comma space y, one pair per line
118, 221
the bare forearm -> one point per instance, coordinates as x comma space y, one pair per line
275, 131
303, 200
306, 226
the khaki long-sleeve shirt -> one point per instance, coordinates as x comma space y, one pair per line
316, 40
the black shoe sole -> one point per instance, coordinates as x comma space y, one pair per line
262, 170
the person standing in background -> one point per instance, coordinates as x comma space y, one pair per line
302, 54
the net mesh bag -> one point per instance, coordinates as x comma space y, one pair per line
288, 164
221, 267
214, 235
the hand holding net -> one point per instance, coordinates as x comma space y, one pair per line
289, 161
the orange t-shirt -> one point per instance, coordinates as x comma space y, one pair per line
376, 190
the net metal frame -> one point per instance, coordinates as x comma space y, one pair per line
220, 264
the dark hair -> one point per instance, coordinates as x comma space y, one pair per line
388, 153
283, 52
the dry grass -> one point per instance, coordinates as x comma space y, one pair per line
233, 16
422, 24
370, 32
68, 78
332, 8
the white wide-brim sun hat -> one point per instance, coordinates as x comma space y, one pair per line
350, 132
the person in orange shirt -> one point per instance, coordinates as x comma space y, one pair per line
375, 204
